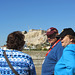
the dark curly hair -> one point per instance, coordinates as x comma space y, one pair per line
15, 40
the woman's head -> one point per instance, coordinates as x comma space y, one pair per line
15, 40
67, 37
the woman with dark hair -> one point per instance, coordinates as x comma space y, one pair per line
21, 62
66, 64
15, 41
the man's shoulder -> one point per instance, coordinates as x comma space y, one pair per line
58, 44
58, 47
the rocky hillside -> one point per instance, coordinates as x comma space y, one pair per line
34, 37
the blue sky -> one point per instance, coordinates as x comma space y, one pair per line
35, 14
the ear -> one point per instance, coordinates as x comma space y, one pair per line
71, 40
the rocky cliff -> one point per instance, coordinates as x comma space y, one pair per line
34, 37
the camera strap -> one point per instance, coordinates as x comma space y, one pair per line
9, 63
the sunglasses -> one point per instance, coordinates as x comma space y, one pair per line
51, 36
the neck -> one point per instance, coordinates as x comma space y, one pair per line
54, 42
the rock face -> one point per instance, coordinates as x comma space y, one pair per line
34, 37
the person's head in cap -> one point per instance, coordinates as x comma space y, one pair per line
67, 36
51, 35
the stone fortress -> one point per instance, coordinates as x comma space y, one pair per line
35, 37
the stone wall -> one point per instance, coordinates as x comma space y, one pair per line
38, 57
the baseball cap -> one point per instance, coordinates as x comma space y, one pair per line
51, 30
66, 31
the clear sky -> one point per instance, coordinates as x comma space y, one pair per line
35, 14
